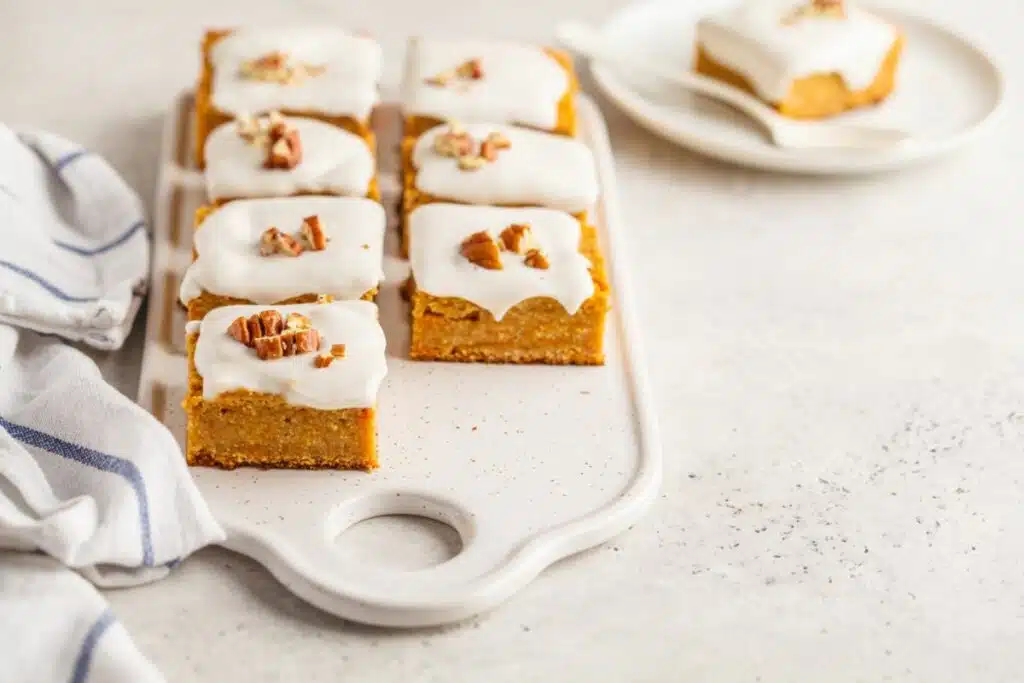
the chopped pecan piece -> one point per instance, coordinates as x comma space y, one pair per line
535, 258
255, 329
284, 152
297, 321
239, 330
516, 238
313, 233
440, 80
453, 143
830, 9
287, 245
305, 341
270, 322
472, 69
492, 144
338, 350
479, 249
268, 241
323, 360
248, 129
269, 348
471, 163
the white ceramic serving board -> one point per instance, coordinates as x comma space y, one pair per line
528, 464
948, 90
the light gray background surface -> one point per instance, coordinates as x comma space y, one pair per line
839, 374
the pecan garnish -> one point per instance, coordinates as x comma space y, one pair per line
492, 144
304, 341
273, 241
471, 163
481, 250
516, 238
272, 336
249, 128
469, 70
268, 241
828, 9
278, 67
271, 322
269, 348
239, 330
441, 79
297, 321
313, 233
454, 142
323, 360
535, 258
285, 149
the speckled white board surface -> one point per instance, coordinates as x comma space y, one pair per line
528, 464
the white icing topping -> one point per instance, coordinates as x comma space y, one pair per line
347, 87
520, 84
755, 40
436, 233
333, 160
229, 261
349, 382
538, 168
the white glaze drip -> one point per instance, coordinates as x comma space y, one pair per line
349, 382
755, 40
347, 87
538, 168
229, 262
436, 232
333, 160
520, 84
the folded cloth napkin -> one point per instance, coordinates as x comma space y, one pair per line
75, 252
100, 486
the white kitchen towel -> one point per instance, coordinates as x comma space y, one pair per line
86, 642
92, 480
75, 251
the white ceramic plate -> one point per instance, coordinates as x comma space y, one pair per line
527, 464
947, 90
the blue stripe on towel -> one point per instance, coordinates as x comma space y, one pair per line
63, 296
68, 158
100, 461
114, 244
84, 659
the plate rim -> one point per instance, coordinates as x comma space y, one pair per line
646, 114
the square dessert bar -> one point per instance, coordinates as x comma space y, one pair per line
285, 386
283, 251
505, 285
807, 58
314, 71
282, 156
488, 81
498, 165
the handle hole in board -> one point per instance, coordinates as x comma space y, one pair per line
399, 542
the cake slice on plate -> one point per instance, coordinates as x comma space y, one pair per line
809, 59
